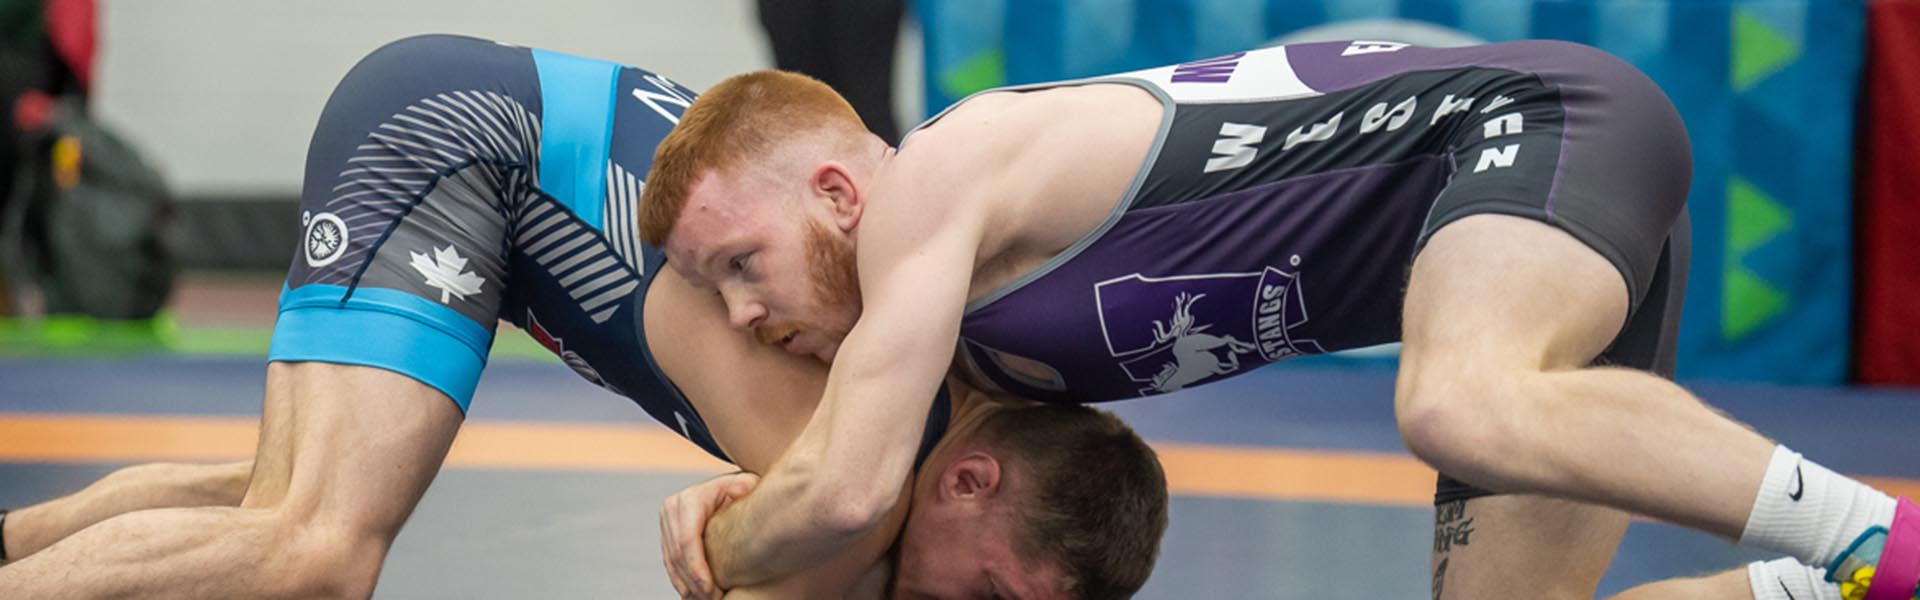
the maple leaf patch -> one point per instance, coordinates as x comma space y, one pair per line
446, 271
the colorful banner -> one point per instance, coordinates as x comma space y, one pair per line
1767, 88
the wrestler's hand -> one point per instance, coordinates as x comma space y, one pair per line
683, 524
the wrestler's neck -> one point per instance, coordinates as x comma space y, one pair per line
968, 409
871, 155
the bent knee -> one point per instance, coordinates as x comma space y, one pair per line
328, 561
1459, 421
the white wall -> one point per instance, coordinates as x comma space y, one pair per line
222, 95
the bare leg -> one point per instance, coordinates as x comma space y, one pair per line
1522, 547
139, 487
1728, 585
1503, 315
345, 454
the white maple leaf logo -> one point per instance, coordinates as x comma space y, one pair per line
446, 271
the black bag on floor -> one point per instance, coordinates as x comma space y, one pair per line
96, 221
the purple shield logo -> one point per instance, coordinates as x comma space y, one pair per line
1174, 332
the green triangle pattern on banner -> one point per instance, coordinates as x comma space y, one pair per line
1747, 302
1758, 50
988, 69
1753, 217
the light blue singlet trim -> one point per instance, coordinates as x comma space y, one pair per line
382, 328
576, 130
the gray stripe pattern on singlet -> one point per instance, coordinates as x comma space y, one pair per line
623, 194
592, 273
494, 140
407, 156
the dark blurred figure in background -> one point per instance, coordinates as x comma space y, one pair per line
82, 211
21, 46
848, 44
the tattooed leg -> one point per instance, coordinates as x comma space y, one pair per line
1522, 547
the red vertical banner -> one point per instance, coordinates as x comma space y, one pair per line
1888, 234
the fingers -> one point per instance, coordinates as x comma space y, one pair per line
669, 550
692, 526
692, 549
737, 485
683, 520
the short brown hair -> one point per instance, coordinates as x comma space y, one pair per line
742, 118
1097, 504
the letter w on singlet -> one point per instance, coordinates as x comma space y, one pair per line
1236, 146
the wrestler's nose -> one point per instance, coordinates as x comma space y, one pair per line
743, 310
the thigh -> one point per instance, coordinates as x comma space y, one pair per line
1496, 292
1522, 547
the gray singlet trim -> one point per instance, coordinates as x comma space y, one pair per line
1119, 208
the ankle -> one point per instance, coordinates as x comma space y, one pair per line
1809, 512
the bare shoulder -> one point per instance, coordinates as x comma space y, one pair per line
970, 138
935, 182
956, 171
994, 164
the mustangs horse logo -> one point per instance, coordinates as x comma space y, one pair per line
1217, 318
1195, 354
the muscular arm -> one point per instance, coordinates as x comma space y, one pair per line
755, 419
844, 471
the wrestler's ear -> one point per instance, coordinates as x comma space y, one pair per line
974, 476
833, 183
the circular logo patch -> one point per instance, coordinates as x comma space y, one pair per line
326, 239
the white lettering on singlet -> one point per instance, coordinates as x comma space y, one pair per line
1316, 132
1507, 124
1237, 145
1498, 101
1359, 47
1235, 148
1449, 106
668, 95
1497, 158
1395, 119
1502, 157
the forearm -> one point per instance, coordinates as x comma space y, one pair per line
862, 572
780, 529
838, 480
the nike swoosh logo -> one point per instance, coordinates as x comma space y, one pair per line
1799, 484
1783, 588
